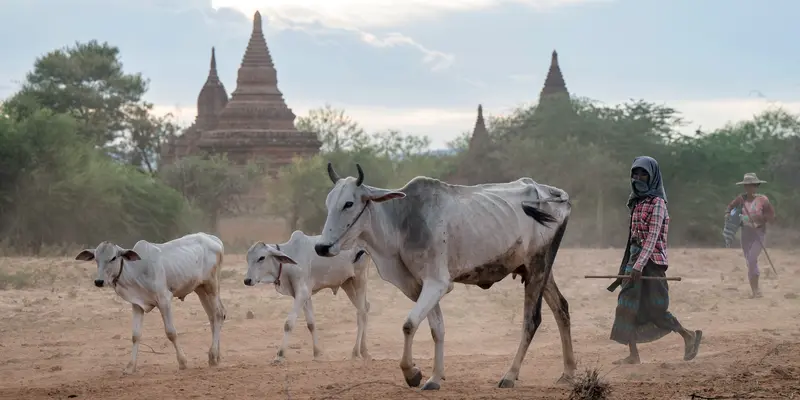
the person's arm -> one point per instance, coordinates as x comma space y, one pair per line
767, 211
654, 222
737, 201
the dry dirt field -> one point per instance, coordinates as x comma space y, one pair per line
64, 338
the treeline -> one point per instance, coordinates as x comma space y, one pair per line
80, 150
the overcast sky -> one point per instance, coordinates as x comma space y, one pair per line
423, 66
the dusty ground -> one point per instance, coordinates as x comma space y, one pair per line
68, 339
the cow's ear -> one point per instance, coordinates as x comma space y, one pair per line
130, 255
85, 255
381, 195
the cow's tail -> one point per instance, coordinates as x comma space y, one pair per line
532, 210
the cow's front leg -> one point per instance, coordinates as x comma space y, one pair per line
138, 319
436, 321
432, 292
309, 311
165, 307
299, 301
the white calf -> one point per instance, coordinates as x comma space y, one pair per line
297, 271
151, 274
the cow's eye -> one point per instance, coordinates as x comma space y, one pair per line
261, 259
112, 259
347, 205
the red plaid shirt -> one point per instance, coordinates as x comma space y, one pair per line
649, 225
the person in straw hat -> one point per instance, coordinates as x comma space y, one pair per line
756, 211
642, 314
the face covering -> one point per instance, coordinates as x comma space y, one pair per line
639, 186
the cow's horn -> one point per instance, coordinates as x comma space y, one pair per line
332, 174
360, 175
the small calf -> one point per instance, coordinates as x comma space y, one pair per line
297, 271
151, 274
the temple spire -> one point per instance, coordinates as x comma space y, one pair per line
554, 83
480, 135
212, 71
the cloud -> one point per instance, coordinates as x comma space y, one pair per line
445, 124
362, 17
369, 14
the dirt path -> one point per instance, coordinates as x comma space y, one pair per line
69, 339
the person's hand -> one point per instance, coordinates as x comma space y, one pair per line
635, 275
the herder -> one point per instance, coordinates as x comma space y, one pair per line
756, 212
642, 314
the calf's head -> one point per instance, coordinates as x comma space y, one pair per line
264, 264
347, 203
109, 258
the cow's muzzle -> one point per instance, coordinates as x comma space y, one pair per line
98, 282
323, 250
249, 282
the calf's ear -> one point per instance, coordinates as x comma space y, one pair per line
282, 257
85, 255
381, 195
130, 255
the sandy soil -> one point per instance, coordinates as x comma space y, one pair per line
68, 339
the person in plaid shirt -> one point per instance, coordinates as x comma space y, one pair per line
642, 307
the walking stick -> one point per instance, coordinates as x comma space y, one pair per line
652, 278
760, 243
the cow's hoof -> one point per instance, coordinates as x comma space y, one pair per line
130, 369
430, 386
506, 384
564, 379
415, 379
213, 360
277, 361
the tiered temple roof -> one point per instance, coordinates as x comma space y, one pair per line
254, 123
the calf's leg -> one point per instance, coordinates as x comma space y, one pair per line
356, 292
299, 302
212, 304
560, 308
165, 307
309, 311
138, 319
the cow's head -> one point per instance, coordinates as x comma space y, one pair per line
108, 257
347, 203
264, 264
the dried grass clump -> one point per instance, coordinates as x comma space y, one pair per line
589, 385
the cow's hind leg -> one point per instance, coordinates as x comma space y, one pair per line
356, 292
558, 304
212, 304
308, 309
532, 318
138, 319
165, 307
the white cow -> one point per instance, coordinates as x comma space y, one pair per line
435, 234
298, 272
151, 274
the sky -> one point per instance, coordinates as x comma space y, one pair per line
423, 66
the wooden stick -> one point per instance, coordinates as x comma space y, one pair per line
653, 278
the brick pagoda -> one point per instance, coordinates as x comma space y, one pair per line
254, 123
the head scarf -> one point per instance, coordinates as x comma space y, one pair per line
655, 186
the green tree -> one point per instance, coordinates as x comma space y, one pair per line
212, 184
336, 130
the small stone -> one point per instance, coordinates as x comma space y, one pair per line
790, 296
116, 337
250, 315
